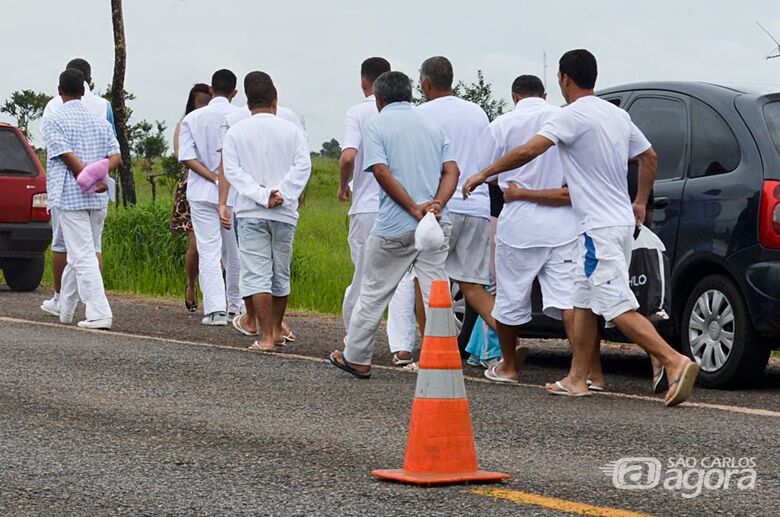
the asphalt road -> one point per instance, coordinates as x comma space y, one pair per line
146, 420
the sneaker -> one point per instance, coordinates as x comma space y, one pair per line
215, 319
102, 324
66, 318
473, 361
51, 306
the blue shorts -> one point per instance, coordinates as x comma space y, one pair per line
265, 249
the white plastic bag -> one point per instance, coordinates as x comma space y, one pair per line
429, 235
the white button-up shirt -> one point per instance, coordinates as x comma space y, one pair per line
265, 153
200, 138
95, 104
365, 189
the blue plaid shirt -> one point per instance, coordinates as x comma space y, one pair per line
74, 129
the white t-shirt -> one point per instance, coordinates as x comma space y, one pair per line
200, 138
596, 139
463, 122
264, 153
95, 104
365, 189
524, 224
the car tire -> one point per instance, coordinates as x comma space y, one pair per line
718, 334
23, 274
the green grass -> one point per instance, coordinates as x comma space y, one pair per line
142, 257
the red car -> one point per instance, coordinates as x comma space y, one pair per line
25, 231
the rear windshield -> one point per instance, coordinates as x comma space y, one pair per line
14, 159
772, 115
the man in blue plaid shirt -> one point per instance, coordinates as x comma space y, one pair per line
74, 138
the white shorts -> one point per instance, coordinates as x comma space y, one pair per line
601, 279
469, 257
516, 270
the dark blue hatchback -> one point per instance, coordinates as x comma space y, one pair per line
717, 209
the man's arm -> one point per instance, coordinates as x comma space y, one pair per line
188, 155
72, 162
447, 185
396, 191
648, 167
549, 197
201, 170
225, 217
347, 168
294, 182
244, 184
513, 159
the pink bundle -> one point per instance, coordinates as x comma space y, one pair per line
93, 174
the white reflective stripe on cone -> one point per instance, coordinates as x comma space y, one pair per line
440, 323
440, 384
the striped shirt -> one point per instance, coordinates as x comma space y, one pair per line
74, 129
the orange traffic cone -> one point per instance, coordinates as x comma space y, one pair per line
440, 448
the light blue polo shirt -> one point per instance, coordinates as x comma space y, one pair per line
414, 147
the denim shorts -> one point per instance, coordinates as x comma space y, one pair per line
265, 248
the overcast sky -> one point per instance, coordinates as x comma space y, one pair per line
313, 49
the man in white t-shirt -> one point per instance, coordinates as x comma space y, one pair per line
200, 141
101, 109
247, 323
468, 262
266, 159
537, 229
595, 140
363, 189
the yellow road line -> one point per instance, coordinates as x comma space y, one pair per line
656, 400
552, 503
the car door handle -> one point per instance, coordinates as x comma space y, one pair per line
661, 202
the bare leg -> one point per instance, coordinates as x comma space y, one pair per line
279, 308
481, 301
639, 330
596, 374
249, 319
507, 337
58, 262
264, 306
582, 336
191, 265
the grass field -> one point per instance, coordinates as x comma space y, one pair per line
142, 257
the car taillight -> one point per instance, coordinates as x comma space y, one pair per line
769, 217
40, 204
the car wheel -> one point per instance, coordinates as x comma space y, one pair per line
717, 333
458, 306
23, 274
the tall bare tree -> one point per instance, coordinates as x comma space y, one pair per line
118, 103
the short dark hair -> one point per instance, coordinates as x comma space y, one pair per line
223, 82
83, 65
528, 85
72, 82
580, 66
438, 70
259, 89
373, 67
393, 87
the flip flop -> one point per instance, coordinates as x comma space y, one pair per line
565, 391
347, 368
521, 354
290, 338
237, 325
397, 361
412, 367
257, 347
684, 385
491, 374
595, 387
658, 381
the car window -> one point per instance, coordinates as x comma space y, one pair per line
714, 148
664, 123
772, 116
14, 159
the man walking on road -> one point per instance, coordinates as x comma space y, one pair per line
596, 139
200, 140
266, 160
75, 138
411, 159
468, 262
364, 193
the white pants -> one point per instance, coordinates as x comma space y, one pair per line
82, 231
217, 247
401, 331
388, 260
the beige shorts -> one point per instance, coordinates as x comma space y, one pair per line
469, 257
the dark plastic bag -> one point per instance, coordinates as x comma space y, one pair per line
649, 275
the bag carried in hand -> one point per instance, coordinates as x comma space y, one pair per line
649, 275
429, 235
